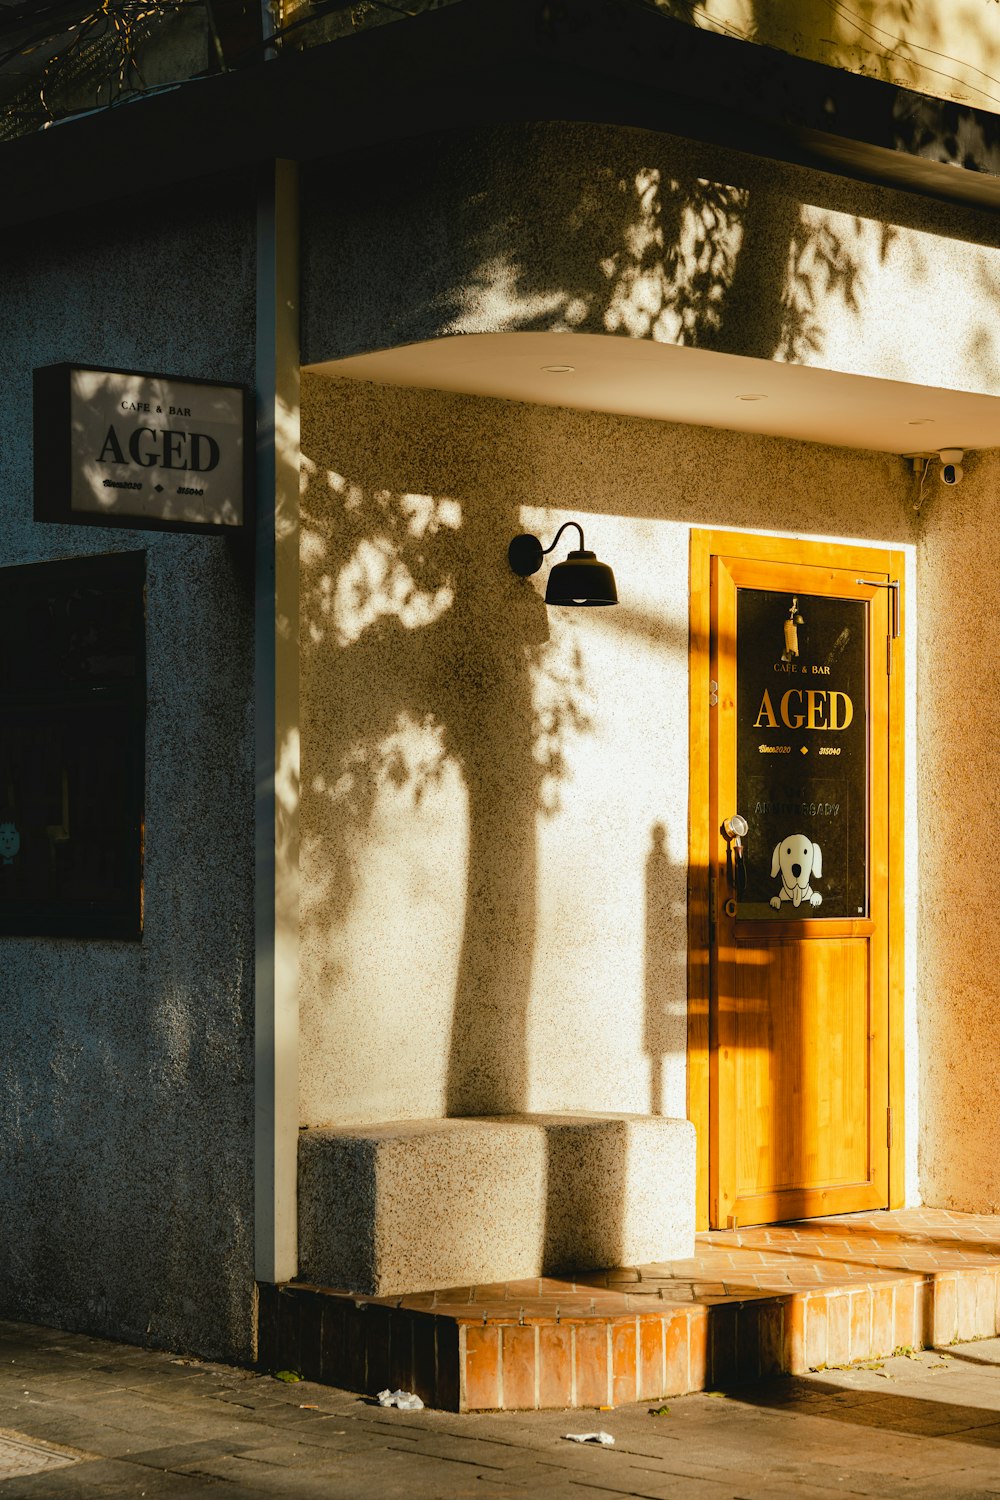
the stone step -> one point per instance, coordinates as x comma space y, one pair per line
433, 1203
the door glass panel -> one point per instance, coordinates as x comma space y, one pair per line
802, 754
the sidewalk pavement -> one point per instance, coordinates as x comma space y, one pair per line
81, 1417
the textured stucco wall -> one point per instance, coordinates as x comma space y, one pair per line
598, 230
959, 785
126, 1091
494, 794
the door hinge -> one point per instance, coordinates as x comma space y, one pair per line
713, 693
888, 1127
894, 613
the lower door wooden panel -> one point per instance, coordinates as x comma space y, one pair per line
800, 1024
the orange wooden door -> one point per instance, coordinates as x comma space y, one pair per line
801, 659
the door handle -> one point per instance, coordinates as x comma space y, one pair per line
735, 830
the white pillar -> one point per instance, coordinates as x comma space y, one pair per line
277, 727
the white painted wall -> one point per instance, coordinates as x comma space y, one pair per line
491, 919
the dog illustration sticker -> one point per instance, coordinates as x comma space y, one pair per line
799, 861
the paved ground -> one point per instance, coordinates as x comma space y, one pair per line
99, 1419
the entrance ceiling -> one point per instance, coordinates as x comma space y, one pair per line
669, 383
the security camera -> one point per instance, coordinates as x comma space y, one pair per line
951, 465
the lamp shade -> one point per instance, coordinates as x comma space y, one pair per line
581, 579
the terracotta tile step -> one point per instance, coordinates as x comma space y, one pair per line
521, 1353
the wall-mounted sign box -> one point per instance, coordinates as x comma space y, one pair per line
121, 448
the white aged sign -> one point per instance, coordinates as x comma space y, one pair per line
142, 450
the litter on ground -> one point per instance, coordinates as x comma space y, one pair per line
405, 1400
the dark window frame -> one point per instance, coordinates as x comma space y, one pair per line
103, 917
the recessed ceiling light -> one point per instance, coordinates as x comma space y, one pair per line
751, 398
559, 369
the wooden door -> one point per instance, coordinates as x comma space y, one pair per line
800, 744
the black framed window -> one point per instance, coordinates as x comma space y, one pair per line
72, 746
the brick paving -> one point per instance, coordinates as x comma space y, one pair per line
735, 1264
137, 1424
750, 1304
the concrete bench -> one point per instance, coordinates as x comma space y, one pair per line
422, 1204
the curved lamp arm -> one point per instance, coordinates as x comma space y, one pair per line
546, 550
525, 552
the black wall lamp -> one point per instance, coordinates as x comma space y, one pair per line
581, 579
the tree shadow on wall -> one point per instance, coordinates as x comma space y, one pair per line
426, 654
691, 261
659, 239
677, 241
580, 227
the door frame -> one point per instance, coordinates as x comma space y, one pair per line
890, 561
